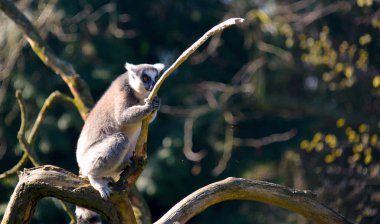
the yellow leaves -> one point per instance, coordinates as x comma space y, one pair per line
338, 67
329, 158
358, 142
338, 152
348, 72
358, 148
374, 140
319, 147
343, 47
376, 81
363, 128
365, 39
376, 23
362, 62
304, 144
340, 122
317, 137
368, 156
355, 157
331, 140
367, 159
342, 63
351, 135
363, 3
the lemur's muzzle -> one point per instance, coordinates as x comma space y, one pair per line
150, 86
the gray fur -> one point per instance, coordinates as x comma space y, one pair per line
109, 135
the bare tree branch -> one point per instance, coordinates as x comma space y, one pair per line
26, 145
56, 95
301, 202
273, 138
21, 133
228, 144
78, 87
50, 181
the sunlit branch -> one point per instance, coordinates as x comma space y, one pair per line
301, 202
228, 144
258, 143
21, 133
140, 151
78, 87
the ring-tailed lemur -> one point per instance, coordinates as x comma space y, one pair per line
109, 135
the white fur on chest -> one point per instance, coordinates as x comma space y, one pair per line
133, 132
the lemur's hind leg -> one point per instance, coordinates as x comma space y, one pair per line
104, 161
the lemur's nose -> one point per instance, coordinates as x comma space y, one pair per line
151, 86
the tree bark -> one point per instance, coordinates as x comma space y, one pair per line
301, 202
51, 181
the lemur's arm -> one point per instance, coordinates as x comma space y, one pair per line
137, 112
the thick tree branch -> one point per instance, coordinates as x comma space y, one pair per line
301, 202
50, 181
82, 96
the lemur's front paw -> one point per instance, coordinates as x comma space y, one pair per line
105, 192
156, 103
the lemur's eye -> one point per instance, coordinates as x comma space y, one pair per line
145, 78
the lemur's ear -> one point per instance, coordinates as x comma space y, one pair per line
130, 67
159, 66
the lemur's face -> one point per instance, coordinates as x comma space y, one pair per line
143, 77
149, 77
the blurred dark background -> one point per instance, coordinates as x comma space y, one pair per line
291, 96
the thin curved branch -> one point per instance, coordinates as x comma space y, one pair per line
188, 135
258, 143
21, 133
301, 202
189, 51
140, 151
79, 89
53, 97
51, 181
228, 144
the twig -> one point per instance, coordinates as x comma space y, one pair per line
188, 135
21, 133
82, 96
301, 202
257, 143
53, 97
228, 144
